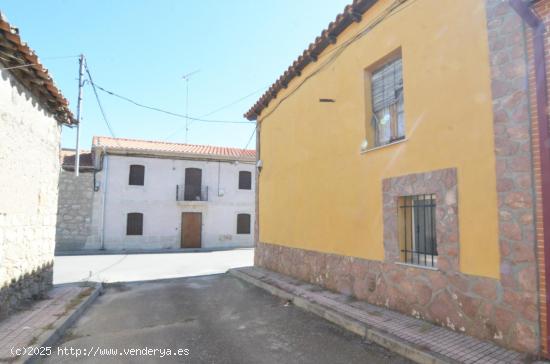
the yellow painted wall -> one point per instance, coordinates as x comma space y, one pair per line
318, 192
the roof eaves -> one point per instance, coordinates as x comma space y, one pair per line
352, 13
34, 77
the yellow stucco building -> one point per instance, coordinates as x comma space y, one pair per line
397, 161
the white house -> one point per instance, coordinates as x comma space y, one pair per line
32, 111
157, 195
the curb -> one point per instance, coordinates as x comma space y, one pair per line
384, 339
50, 337
68, 253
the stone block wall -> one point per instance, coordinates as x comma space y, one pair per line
29, 165
76, 226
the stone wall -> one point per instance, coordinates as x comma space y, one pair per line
29, 163
477, 306
76, 226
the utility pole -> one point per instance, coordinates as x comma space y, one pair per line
186, 78
78, 110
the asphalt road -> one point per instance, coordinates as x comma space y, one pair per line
218, 319
141, 267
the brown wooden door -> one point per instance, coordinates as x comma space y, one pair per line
191, 229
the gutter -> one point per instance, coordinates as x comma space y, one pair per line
177, 155
529, 17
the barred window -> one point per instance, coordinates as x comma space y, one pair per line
245, 180
243, 224
137, 175
417, 236
134, 223
387, 103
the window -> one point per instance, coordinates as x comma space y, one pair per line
134, 224
137, 175
417, 230
245, 180
193, 185
243, 224
387, 121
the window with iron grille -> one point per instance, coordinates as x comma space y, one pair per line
245, 180
134, 223
387, 103
243, 224
417, 230
137, 175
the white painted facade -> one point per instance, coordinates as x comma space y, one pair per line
162, 213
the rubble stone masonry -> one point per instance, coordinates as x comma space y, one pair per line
29, 161
78, 213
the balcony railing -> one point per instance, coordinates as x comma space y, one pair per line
191, 193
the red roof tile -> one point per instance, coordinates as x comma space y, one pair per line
352, 13
14, 52
152, 146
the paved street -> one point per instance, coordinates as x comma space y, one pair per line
219, 319
139, 267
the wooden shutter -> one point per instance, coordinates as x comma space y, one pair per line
245, 180
243, 224
134, 224
137, 175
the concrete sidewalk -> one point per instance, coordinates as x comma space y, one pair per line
414, 339
142, 267
44, 322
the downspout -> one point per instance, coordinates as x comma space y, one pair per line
219, 166
537, 26
105, 180
257, 192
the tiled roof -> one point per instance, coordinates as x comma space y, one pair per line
14, 52
352, 13
151, 146
67, 157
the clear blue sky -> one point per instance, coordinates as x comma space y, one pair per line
140, 49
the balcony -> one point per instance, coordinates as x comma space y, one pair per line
191, 193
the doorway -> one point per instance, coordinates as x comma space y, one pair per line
191, 229
193, 183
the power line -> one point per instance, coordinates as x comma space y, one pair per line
250, 139
166, 111
248, 142
234, 102
90, 79
27, 64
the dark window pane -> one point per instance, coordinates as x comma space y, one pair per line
418, 231
245, 180
193, 183
137, 175
243, 224
134, 224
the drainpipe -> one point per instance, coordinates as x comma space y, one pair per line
257, 192
537, 26
105, 180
